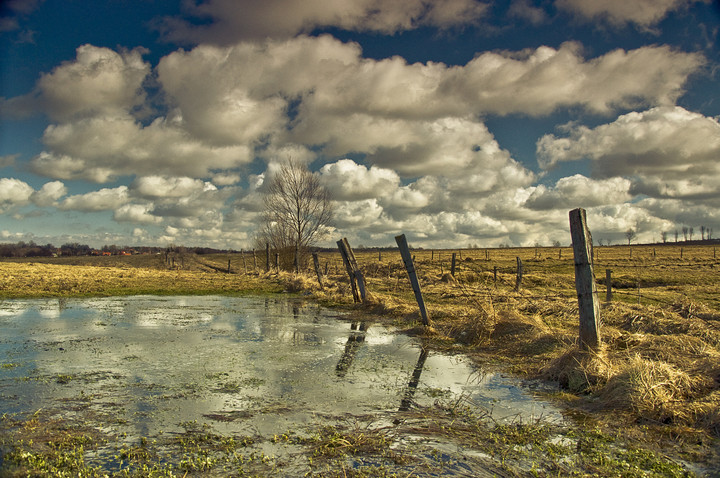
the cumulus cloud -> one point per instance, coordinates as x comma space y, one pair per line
49, 194
13, 193
349, 181
233, 20
106, 199
168, 187
98, 81
666, 151
579, 191
643, 13
135, 214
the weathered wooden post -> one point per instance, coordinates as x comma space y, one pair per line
277, 262
316, 263
410, 267
495, 276
585, 281
452, 266
608, 285
357, 281
228, 266
519, 275
267, 257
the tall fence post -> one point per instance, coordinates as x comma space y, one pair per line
585, 280
410, 267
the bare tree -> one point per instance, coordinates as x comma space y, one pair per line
630, 235
297, 210
685, 232
664, 236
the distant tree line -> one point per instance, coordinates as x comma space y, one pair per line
31, 249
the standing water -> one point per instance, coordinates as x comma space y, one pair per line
147, 366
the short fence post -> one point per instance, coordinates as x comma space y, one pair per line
519, 275
585, 281
608, 285
228, 266
412, 275
452, 266
316, 263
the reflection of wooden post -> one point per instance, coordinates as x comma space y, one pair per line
585, 280
410, 266
353, 343
316, 263
407, 400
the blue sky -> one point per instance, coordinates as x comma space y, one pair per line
456, 122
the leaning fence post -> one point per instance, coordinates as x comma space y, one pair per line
585, 280
349, 269
410, 266
356, 270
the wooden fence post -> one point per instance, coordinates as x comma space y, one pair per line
410, 267
608, 285
452, 267
316, 263
585, 281
519, 275
495, 276
277, 262
357, 280
267, 257
228, 266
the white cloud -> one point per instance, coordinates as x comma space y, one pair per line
106, 199
349, 181
136, 214
233, 20
98, 81
13, 193
579, 191
49, 194
644, 13
666, 151
168, 187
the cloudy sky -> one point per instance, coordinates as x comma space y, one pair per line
456, 122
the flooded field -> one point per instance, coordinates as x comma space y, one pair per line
269, 371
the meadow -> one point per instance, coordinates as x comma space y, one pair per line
645, 402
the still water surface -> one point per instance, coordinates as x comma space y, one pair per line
150, 364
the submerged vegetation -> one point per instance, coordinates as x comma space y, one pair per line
647, 403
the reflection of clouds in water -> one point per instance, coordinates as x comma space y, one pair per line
173, 359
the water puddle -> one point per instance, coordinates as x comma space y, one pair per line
146, 366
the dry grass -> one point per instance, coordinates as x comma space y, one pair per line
660, 361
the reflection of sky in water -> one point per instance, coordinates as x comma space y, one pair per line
246, 364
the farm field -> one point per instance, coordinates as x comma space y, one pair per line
646, 404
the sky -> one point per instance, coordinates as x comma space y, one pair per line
455, 122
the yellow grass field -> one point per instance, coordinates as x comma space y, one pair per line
656, 376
